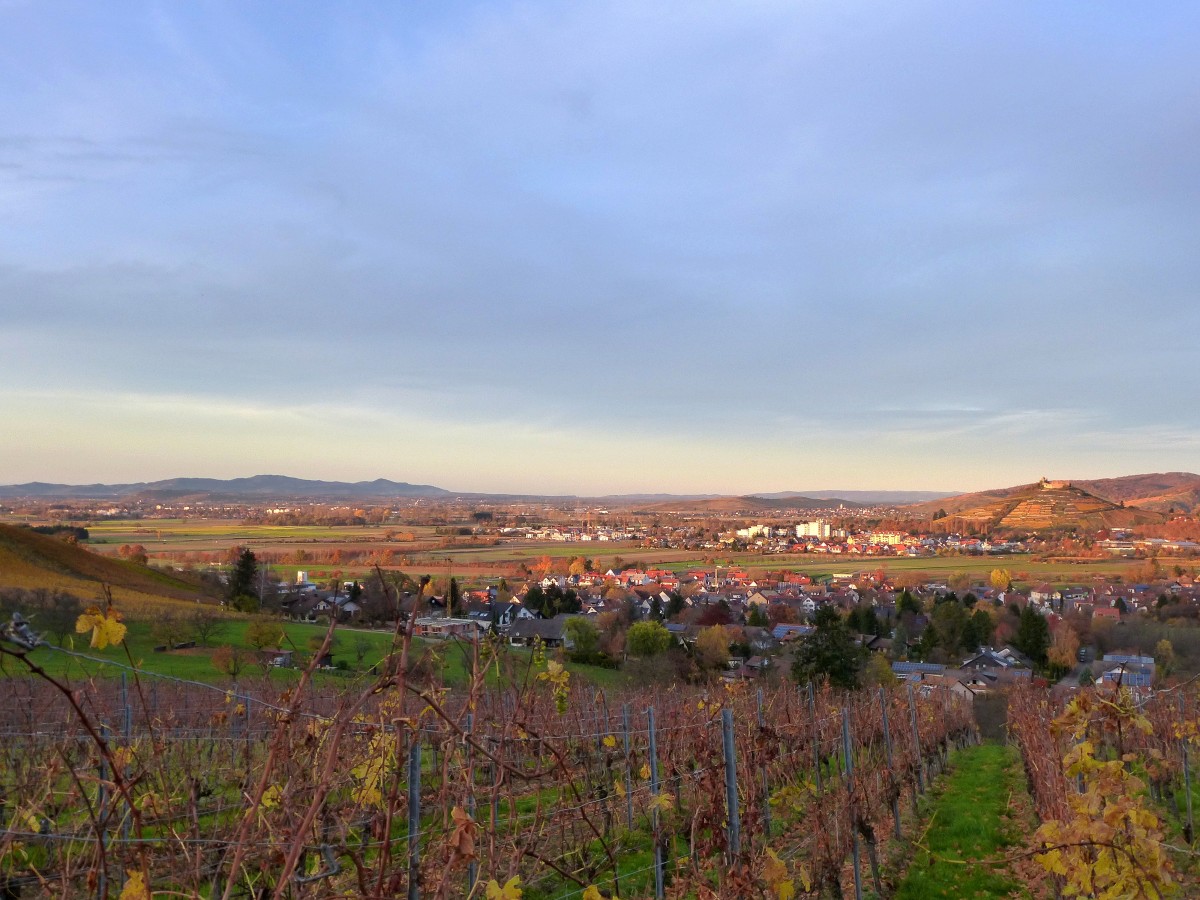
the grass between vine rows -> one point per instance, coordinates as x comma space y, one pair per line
979, 811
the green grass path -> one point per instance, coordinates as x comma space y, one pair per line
971, 818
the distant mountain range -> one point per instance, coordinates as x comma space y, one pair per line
256, 487
283, 487
1159, 493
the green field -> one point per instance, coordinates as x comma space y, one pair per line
172, 531
197, 664
452, 658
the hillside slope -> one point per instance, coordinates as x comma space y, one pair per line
32, 560
1041, 506
1160, 492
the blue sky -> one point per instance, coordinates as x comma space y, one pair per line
600, 247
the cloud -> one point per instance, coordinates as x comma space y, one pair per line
763, 219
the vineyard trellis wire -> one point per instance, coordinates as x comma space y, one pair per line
399, 787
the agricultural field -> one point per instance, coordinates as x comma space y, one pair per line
329, 551
170, 538
309, 548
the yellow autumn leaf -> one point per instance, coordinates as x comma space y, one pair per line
775, 873
106, 627
645, 771
270, 797
774, 869
610, 741
510, 891
805, 878
593, 893
135, 887
662, 802
619, 788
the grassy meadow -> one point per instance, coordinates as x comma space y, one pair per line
453, 659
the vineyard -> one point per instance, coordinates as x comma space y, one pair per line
1111, 778
395, 786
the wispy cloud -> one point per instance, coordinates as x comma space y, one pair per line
956, 230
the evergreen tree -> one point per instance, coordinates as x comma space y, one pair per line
864, 621
926, 643
906, 602
830, 652
535, 598
241, 581
1033, 635
570, 602
978, 632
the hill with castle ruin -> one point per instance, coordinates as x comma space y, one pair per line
1042, 506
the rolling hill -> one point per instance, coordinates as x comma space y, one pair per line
1041, 506
1160, 492
1157, 492
32, 560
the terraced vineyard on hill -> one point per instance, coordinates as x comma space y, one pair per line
1051, 504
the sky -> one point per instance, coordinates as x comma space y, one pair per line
600, 247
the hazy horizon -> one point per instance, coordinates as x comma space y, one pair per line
599, 248
815, 492
812, 493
